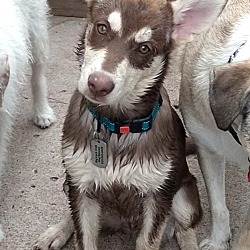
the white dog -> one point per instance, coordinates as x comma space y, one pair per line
227, 40
23, 39
230, 92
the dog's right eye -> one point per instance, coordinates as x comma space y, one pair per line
145, 48
102, 28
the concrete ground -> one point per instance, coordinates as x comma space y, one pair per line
32, 190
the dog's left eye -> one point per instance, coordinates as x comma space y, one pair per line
102, 28
144, 48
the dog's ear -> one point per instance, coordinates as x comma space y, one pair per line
194, 16
230, 92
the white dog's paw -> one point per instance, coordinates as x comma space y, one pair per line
1, 234
45, 118
211, 245
53, 239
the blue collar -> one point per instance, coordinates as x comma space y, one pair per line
125, 127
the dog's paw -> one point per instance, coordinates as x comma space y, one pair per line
52, 239
44, 119
211, 245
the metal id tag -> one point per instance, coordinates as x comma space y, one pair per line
99, 153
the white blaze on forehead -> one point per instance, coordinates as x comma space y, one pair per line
115, 21
143, 35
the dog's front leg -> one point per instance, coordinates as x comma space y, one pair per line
5, 118
43, 113
86, 216
213, 169
154, 224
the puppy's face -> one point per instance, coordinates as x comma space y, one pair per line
125, 49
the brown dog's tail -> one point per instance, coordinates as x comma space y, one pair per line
190, 146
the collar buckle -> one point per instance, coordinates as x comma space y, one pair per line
124, 129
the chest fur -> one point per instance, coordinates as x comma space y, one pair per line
146, 175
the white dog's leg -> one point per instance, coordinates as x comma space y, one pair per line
43, 113
5, 119
4, 79
213, 169
56, 236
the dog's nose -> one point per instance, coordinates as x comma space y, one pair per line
100, 84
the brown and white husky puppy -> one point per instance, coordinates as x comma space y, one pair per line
123, 145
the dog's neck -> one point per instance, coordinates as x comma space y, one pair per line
120, 113
136, 125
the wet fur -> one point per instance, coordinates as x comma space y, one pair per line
147, 178
138, 166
